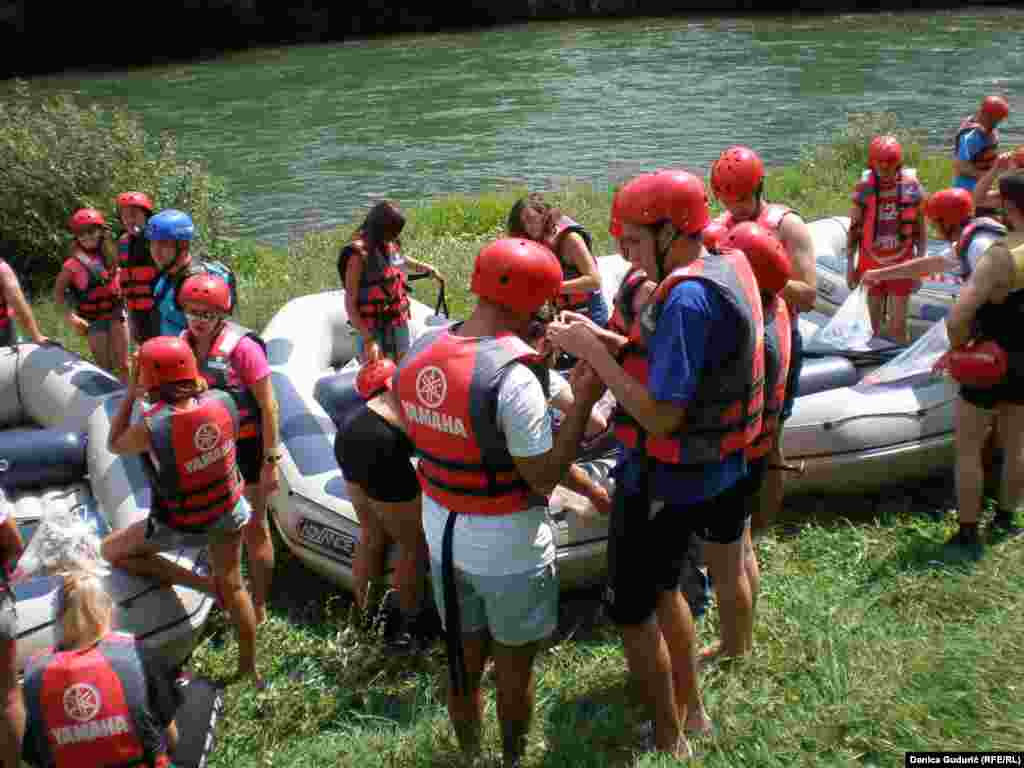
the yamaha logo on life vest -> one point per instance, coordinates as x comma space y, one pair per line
431, 390
82, 702
207, 436
431, 386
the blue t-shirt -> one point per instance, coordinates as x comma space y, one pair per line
968, 146
172, 319
682, 348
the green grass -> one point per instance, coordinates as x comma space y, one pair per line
867, 643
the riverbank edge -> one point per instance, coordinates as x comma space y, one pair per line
211, 29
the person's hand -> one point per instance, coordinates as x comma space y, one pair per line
134, 370
430, 269
600, 499
1004, 161
78, 325
40, 340
871, 277
576, 338
566, 316
372, 350
269, 480
587, 387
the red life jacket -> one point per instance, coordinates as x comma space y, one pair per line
216, 367
196, 478
986, 158
725, 415
96, 302
778, 353
974, 228
138, 272
382, 299
6, 313
448, 387
901, 223
770, 217
624, 315
577, 302
88, 705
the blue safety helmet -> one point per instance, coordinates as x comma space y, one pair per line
170, 225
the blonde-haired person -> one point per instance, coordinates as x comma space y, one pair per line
189, 438
97, 698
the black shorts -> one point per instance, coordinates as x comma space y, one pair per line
250, 458
648, 556
796, 363
749, 487
377, 456
1010, 390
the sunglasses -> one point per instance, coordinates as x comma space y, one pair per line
209, 317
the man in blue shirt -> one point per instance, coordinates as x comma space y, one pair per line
690, 394
977, 142
169, 233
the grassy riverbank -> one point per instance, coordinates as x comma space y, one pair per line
867, 643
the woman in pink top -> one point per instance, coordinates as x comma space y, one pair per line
88, 285
232, 358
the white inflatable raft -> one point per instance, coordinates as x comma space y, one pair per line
850, 436
55, 400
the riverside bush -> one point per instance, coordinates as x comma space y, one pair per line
58, 155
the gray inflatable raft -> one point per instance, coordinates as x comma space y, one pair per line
55, 412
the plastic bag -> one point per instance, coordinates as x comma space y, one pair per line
65, 540
850, 327
920, 357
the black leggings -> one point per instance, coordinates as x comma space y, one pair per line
376, 456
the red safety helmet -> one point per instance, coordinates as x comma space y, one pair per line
208, 290
166, 360
995, 108
615, 221
714, 235
138, 199
737, 174
766, 254
373, 378
950, 208
517, 274
676, 196
86, 217
884, 149
979, 364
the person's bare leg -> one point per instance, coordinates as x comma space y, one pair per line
971, 432
119, 350
649, 663
1011, 487
128, 550
735, 610
369, 563
12, 724
403, 522
896, 321
677, 628
226, 558
259, 547
466, 709
876, 308
514, 684
99, 346
765, 510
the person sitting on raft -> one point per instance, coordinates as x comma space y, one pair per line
375, 455
886, 228
98, 698
534, 219
89, 279
232, 359
189, 437
976, 144
138, 270
14, 304
376, 288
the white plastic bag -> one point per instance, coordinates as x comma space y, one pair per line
850, 327
65, 540
920, 357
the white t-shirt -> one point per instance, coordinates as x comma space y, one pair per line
979, 244
503, 545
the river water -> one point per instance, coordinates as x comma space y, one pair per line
307, 135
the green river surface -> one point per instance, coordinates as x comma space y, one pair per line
307, 135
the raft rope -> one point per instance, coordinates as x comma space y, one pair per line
920, 413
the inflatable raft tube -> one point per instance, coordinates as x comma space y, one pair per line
50, 394
927, 305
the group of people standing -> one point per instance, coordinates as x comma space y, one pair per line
696, 363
